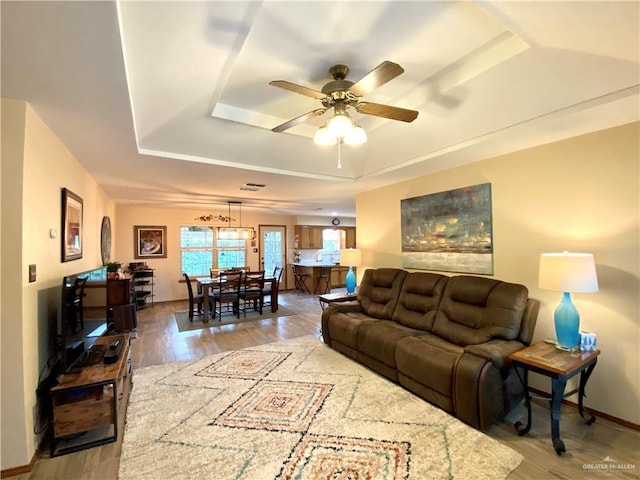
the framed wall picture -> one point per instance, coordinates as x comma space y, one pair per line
71, 238
449, 231
149, 241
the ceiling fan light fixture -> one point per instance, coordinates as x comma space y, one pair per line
340, 124
324, 137
355, 136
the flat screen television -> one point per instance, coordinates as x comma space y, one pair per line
82, 317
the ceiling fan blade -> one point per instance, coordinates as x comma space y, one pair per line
292, 87
380, 75
295, 121
387, 111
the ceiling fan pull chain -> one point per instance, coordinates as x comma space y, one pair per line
339, 159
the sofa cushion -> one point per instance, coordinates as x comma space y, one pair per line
379, 290
343, 327
419, 299
474, 310
426, 365
378, 340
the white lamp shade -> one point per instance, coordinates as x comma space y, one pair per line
340, 124
568, 272
355, 136
324, 137
351, 257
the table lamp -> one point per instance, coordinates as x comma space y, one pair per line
353, 258
568, 273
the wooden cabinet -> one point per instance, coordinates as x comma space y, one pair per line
121, 305
85, 405
308, 237
119, 292
350, 237
335, 277
311, 237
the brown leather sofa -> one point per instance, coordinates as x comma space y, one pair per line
446, 339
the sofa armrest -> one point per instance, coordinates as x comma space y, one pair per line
346, 307
495, 351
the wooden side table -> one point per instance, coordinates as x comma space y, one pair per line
328, 298
560, 366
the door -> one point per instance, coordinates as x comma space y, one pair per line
273, 249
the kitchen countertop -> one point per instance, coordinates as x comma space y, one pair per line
316, 264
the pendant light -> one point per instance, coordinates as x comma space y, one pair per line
236, 233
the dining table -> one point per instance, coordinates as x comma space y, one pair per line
206, 283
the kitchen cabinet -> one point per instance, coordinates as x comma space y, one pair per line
311, 237
350, 237
308, 237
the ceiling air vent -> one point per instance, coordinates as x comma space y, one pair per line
252, 187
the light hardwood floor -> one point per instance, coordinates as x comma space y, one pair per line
158, 341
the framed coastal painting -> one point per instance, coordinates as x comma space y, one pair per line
71, 238
449, 231
149, 241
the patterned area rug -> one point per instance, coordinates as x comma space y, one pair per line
294, 410
184, 325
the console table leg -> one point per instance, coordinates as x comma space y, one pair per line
557, 394
584, 378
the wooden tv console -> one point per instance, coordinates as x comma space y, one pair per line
85, 405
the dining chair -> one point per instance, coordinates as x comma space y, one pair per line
244, 269
251, 291
195, 300
215, 272
266, 291
226, 294
300, 280
323, 284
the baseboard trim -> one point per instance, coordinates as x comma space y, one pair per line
21, 470
593, 411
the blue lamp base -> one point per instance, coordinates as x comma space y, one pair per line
351, 281
567, 322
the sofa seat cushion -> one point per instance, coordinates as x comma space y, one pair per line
429, 361
378, 340
343, 327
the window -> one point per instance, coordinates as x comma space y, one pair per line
231, 253
333, 239
200, 252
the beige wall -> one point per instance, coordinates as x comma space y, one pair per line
168, 270
35, 167
580, 195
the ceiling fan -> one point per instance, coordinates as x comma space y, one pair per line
341, 94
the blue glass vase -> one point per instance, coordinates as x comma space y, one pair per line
351, 281
567, 322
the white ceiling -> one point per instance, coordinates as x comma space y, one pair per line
168, 103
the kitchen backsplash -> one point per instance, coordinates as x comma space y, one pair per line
313, 256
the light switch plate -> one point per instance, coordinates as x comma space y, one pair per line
32, 273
